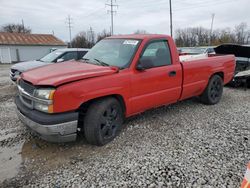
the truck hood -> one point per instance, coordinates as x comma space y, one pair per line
57, 74
27, 65
237, 50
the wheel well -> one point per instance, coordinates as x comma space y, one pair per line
221, 74
84, 106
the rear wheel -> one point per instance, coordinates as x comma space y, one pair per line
103, 121
213, 92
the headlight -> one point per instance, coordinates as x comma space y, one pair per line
43, 107
45, 93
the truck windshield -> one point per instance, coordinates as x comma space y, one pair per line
51, 56
113, 52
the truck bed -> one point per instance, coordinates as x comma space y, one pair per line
196, 73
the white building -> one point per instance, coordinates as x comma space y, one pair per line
16, 47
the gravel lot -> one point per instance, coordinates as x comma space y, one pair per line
182, 145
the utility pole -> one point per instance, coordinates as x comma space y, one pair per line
69, 25
91, 36
171, 19
211, 30
111, 11
23, 25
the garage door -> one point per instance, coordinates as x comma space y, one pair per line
5, 55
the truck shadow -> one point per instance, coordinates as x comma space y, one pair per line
35, 148
39, 154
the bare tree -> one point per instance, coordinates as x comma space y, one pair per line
80, 41
15, 28
138, 31
241, 33
225, 36
102, 35
187, 37
199, 36
248, 37
87, 39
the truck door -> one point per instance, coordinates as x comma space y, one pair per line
159, 83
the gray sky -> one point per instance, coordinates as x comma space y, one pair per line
43, 16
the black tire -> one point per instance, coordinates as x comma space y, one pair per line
103, 121
248, 82
213, 91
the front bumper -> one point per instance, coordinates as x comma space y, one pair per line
50, 127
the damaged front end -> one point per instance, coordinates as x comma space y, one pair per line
242, 70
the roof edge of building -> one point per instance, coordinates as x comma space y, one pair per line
7, 38
33, 44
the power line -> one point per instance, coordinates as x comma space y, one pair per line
194, 4
93, 12
111, 11
205, 4
69, 23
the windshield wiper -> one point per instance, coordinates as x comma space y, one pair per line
86, 59
101, 62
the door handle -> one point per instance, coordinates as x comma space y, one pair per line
172, 73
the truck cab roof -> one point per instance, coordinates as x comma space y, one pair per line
139, 36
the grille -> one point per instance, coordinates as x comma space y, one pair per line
28, 101
29, 88
12, 71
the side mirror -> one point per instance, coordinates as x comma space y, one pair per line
139, 67
144, 64
59, 60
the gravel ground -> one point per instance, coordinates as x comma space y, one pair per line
187, 144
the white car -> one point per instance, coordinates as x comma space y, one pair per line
56, 56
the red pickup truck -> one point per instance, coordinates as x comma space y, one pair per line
119, 77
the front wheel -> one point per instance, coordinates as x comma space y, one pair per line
103, 121
213, 92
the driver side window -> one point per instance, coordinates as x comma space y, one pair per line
157, 53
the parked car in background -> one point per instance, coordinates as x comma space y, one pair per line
56, 56
196, 50
119, 77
